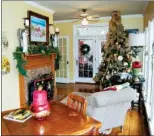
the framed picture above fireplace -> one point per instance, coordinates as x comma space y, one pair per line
38, 28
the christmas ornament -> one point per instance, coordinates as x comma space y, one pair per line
84, 49
125, 64
120, 58
115, 55
128, 70
107, 76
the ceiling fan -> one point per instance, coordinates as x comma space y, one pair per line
86, 17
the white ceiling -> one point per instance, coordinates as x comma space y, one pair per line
64, 10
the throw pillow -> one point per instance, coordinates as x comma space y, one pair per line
117, 87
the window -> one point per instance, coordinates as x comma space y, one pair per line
148, 70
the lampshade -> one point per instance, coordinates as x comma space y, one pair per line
137, 39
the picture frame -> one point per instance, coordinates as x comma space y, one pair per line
134, 31
38, 28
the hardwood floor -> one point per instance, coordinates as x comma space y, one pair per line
134, 121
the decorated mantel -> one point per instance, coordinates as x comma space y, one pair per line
37, 49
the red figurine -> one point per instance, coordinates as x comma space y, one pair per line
40, 106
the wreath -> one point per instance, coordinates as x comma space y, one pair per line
84, 49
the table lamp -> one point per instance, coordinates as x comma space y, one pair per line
136, 41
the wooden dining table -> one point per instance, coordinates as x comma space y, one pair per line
61, 121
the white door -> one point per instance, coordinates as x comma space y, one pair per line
62, 75
85, 63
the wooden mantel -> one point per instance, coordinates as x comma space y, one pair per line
33, 62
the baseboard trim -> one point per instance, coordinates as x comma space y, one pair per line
71, 81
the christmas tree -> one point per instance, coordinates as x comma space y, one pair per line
116, 52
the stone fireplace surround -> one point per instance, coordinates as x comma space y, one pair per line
39, 63
32, 75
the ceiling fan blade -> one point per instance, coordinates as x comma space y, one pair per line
76, 17
93, 17
94, 20
76, 20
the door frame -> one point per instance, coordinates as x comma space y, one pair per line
74, 43
60, 80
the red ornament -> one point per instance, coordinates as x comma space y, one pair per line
136, 64
40, 106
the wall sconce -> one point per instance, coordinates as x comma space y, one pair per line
53, 35
26, 22
52, 31
23, 35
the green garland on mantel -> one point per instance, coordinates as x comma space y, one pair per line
34, 49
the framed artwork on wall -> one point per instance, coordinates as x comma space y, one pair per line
38, 28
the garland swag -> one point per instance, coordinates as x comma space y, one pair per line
34, 49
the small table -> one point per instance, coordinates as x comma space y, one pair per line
138, 87
62, 120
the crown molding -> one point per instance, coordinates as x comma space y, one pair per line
130, 16
107, 17
39, 6
65, 21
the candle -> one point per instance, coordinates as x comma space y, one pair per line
57, 29
26, 22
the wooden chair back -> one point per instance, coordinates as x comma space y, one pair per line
77, 103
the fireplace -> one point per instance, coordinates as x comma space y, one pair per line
37, 65
39, 77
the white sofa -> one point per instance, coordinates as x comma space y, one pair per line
108, 107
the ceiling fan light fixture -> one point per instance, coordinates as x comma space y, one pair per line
84, 22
